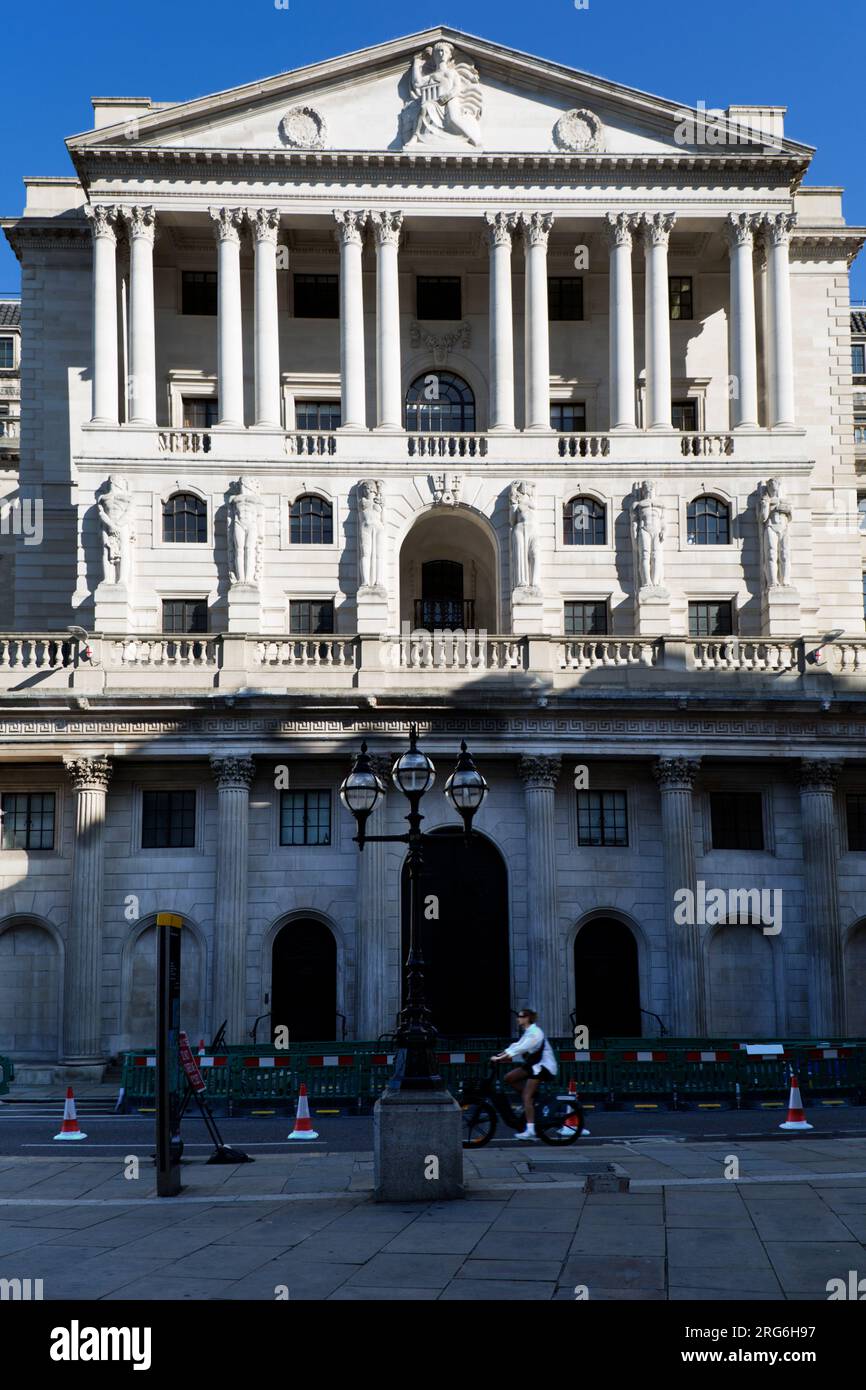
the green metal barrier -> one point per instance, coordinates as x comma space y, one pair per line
7, 1074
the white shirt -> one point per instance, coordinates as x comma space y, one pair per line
530, 1041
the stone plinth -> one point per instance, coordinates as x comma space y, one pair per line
111, 609
417, 1147
372, 609
780, 613
527, 611
245, 608
653, 612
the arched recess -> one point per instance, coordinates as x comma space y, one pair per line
855, 979
31, 976
138, 984
464, 930
455, 536
608, 975
744, 982
305, 978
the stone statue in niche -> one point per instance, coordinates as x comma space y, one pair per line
371, 534
525, 546
246, 533
774, 525
648, 534
445, 101
115, 514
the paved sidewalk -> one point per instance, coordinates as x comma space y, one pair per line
305, 1223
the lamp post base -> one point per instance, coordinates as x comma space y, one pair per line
417, 1147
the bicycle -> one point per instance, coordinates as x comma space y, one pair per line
558, 1119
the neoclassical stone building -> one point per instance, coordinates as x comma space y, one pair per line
443, 384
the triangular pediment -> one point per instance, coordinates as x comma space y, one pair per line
432, 92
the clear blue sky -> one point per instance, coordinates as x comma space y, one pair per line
803, 55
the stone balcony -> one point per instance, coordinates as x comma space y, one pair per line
463, 665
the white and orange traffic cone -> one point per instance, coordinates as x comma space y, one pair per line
303, 1124
572, 1122
796, 1114
69, 1129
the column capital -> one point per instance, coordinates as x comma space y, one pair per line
227, 223
350, 226
778, 227
88, 774
657, 228
141, 222
620, 227
235, 773
500, 225
740, 228
387, 226
676, 774
104, 220
539, 772
819, 775
536, 227
264, 224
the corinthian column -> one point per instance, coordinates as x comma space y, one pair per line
233, 777
676, 777
265, 224
230, 357
103, 226
536, 229
82, 985
500, 225
389, 402
827, 1005
740, 233
657, 228
373, 922
547, 986
141, 222
620, 229
353, 386
777, 232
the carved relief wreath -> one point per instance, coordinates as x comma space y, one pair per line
579, 131
303, 127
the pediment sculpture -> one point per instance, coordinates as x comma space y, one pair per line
445, 106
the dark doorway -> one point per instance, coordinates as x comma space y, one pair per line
441, 603
466, 949
304, 981
606, 979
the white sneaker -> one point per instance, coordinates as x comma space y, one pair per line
526, 1134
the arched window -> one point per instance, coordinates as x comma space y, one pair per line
440, 403
708, 522
583, 522
184, 518
312, 521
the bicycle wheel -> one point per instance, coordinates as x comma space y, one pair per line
559, 1121
479, 1125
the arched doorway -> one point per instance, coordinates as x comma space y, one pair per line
742, 983
29, 992
448, 572
465, 947
139, 1003
304, 981
855, 980
607, 979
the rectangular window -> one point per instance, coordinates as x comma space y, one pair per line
184, 615
860, 429
567, 416
28, 820
317, 296
7, 352
858, 359
684, 415
737, 820
311, 615
305, 818
855, 808
200, 412
602, 819
198, 292
585, 619
564, 298
318, 415
711, 619
438, 297
168, 820
680, 295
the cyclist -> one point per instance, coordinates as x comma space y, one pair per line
537, 1062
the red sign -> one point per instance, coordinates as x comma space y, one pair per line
189, 1064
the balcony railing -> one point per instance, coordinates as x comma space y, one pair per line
10, 429
447, 613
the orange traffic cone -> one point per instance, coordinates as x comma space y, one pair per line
69, 1129
796, 1114
572, 1122
303, 1124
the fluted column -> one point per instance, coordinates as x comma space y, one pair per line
230, 358
548, 989
777, 232
500, 225
265, 225
141, 225
536, 369
82, 985
353, 384
103, 226
740, 234
827, 1005
621, 227
389, 395
233, 777
688, 1015
657, 227
374, 921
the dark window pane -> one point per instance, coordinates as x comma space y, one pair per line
28, 820
602, 819
680, 290
311, 616
317, 297
440, 403
198, 292
684, 415
564, 298
184, 519
709, 522
311, 521
567, 416
305, 818
737, 820
711, 619
858, 359
200, 412
184, 615
585, 619
583, 522
438, 297
317, 415
7, 352
856, 817
168, 820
